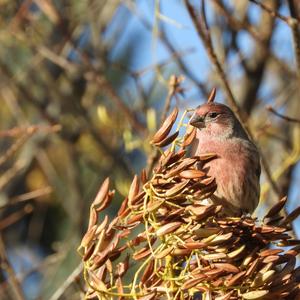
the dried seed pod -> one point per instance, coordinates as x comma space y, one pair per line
144, 178
206, 156
176, 157
237, 252
133, 190
120, 288
220, 239
194, 245
190, 136
168, 228
93, 217
212, 95
165, 128
148, 271
258, 294
176, 188
164, 253
191, 174
168, 140
230, 268
227, 296
87, 238
291, 217
276, 208
154, 205
88, 253
123, 208
252, 268
149, 296
183, 165
142, 253
106, 201
206, 232
103, 225
235, 279
214, 256
122, 267
193, 282
102, 193
270, 252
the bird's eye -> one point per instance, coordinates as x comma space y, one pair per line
212, 115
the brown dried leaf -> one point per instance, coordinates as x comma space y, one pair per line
166, 127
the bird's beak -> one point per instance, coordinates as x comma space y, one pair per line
197, 121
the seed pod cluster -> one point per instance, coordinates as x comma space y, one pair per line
168, 241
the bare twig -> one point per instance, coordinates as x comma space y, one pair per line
15, 217
286, 118
71, 278
12, 279
203, 31
28, 196
272, 12
292, 22
174, 88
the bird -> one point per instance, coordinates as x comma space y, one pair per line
236, 168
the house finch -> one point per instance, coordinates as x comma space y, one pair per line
237, 167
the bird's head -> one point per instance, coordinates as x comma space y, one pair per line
218, 120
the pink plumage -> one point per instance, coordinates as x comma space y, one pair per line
237, 167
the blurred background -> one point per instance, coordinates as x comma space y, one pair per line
83, 87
